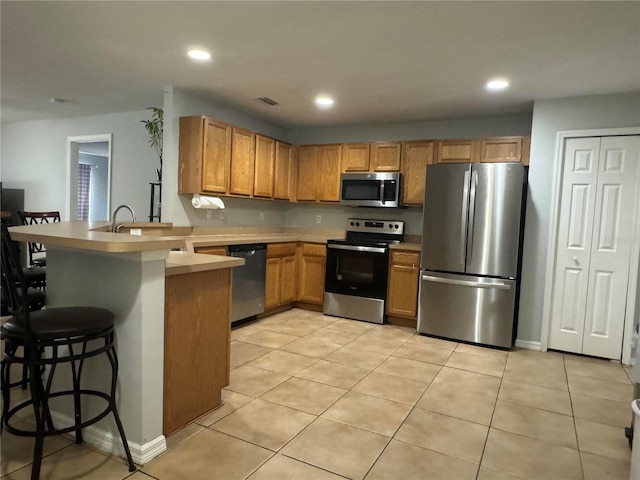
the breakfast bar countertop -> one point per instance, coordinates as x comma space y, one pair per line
84, 236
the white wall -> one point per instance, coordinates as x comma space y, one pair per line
34, 156
550, 117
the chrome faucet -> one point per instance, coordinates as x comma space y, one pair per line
116, 228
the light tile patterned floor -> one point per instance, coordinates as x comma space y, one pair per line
317, 397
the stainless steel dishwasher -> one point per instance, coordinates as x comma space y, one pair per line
247, 296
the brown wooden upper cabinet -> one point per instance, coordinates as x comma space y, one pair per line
306, 173
204, 156
371, 157
497, 149
456, 151
242, 161
318, 173
355, 157
328, 168
283, 175
505, 149
264, 167
415, 158
385, 156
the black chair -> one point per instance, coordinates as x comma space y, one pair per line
37, 250
50, 337
36, 298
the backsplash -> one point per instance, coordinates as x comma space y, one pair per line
248, 212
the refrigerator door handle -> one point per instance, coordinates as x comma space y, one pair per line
464, 219
472, 215
466, 283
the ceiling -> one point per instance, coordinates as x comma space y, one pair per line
381, 61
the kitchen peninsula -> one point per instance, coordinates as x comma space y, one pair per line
161, 305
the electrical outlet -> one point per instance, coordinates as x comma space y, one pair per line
221, 214
208, 214
262, 216
318, 218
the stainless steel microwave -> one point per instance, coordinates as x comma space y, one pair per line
370, 189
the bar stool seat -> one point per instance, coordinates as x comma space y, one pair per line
50, 338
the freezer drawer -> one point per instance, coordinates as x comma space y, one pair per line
469, 308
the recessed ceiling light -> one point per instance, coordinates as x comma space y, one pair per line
324, 101
199, 55
497, 84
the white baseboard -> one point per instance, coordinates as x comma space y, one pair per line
528, 344
109, 443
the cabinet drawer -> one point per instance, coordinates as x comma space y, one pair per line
214, 250
314, 249
281, 249
405, 258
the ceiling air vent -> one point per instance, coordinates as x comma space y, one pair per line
267, 101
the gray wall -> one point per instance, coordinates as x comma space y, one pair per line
177, 208
246, 212
550, 117
34, 156
457, 128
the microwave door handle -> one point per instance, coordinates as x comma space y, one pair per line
382, 191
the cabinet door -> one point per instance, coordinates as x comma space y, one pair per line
312, 265
501, 149
385, 157
288, 280
306, 178
404, 275
328, 169
312, 279
272, 282
283, 171
264, 167
190, 154
416, 157
242, 158
457, 151
355, 157
216, 153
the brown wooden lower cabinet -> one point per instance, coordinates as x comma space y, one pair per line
313, 257
280, 285
404, 275
196, 344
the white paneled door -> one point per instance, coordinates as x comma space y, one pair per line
595, 231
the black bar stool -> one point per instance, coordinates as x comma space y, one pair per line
50, 337
36, 249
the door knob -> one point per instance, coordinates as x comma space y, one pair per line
576, 261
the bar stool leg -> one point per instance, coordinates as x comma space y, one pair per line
38, 410
77, 409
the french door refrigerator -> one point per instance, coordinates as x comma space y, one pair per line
471, 240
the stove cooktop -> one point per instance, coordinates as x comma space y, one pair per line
373, 233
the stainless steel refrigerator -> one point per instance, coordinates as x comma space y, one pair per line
471, 242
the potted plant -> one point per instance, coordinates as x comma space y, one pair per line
155, 128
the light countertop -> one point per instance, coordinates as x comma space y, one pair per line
184, 262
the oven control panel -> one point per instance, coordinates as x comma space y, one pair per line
375, 226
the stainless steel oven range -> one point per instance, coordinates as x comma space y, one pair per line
357, 268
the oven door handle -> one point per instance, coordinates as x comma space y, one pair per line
356, 248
